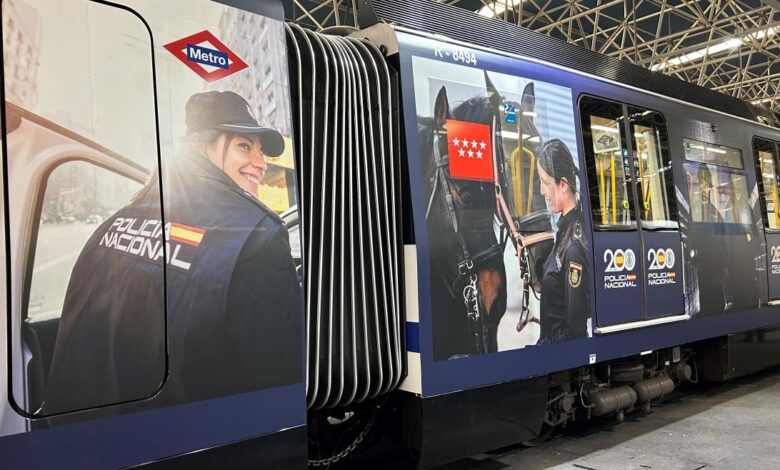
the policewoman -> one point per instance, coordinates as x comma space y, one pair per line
233, 304
565, 297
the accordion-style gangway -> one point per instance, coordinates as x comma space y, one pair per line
347, 155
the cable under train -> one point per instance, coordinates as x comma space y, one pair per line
235, 242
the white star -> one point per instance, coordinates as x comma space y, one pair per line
482, 145
456, 142
479, 155
461, 152
474, 143
471, 154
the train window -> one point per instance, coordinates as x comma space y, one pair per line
609, 167
79, 90
653, 168
717, 189
717, 194
712, 154
765, 153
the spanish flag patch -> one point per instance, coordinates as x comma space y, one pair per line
186, 234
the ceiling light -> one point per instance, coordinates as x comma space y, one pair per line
497, 7
728, 44
598, 127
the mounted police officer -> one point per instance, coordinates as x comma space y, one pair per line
565, 297
233, 298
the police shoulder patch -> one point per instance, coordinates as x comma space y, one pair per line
575, 274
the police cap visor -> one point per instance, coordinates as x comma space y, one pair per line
230, 112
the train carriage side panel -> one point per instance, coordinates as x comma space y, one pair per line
461, 71
125, 246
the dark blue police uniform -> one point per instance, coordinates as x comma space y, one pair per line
234, 307
565, 298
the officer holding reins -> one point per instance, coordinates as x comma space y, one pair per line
565, 297
233, 304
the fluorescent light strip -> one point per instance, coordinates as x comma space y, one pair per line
514, 135
599, 127
728, 44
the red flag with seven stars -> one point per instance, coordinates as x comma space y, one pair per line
470, 153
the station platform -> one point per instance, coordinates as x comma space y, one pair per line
714, 426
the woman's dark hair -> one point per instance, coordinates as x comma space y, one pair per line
556, 160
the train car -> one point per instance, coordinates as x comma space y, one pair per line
151, 303
483, 234
581, 235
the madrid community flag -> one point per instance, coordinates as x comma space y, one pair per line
470, 153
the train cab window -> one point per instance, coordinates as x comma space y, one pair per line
717, 186
765, 153
653, 169
82, 141
609, 167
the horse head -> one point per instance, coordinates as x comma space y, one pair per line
460, 213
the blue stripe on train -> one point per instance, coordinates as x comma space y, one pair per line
413, 336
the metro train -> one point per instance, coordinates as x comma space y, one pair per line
233, 242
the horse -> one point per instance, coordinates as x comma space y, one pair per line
468, 277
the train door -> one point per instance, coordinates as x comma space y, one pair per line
80, 140
636, 240
765, 154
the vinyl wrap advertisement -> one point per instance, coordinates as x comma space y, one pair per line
148, 157
480, 124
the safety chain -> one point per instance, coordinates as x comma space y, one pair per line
344, 453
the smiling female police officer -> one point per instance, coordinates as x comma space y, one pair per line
233, 299
565, 297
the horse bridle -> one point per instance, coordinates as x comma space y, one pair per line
520, 241
468, 266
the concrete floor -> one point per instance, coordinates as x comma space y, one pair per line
724, 426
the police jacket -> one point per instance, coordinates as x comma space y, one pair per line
565, 298
233, 317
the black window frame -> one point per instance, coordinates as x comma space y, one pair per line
627, 150
665, 150
775, 145
26, 252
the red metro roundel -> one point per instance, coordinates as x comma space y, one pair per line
207, 56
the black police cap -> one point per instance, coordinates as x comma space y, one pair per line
230, 112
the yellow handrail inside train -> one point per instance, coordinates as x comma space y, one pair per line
775, 204
614, 192
517, 180
600, 165
530, 178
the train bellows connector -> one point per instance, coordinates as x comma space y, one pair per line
345, 115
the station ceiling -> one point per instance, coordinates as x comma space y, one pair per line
732, 46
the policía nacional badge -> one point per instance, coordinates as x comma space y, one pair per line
575, 274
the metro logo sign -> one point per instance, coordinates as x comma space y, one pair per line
207, 56
469, 150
